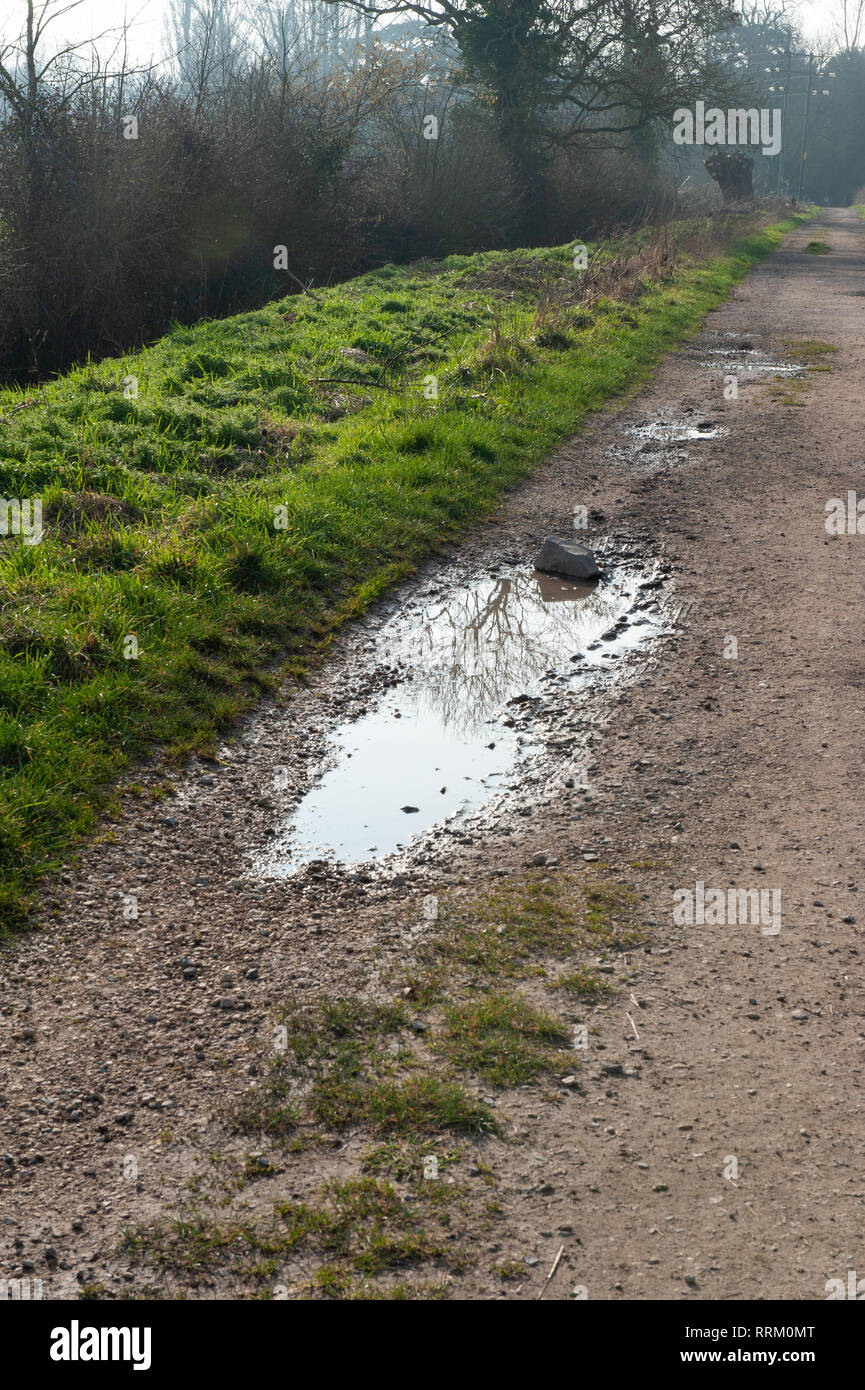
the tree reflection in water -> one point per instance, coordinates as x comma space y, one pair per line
487, 643
467, 656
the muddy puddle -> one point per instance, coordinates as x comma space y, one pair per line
676, 431
452, 725
748, 363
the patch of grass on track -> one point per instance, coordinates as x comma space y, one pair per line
336, 1058
396, 1095
360, 1228
503, 1039
220, 501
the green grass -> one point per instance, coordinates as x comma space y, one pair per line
515, 930
336, 1072
583, 984
813, 352
810, 350
244, 502
503, 1039
817, 248
359, 1227
395, 1084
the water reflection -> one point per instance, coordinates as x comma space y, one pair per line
485, 644
440, 743
676, 433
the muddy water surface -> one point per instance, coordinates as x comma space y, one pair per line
448, 735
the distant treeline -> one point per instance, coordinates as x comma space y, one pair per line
111, 228
133, 199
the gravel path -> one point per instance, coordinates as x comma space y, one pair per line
724, 1161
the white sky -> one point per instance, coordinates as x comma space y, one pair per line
147, 16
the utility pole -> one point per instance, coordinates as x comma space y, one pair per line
784, 112
805, 130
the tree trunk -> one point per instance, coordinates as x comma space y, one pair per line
732, 173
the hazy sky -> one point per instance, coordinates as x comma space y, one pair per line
146, 17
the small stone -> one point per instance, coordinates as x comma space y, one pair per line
557, 556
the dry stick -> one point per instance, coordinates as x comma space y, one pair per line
304, 287
552, 1272
23, 405
633, 1025
350, 381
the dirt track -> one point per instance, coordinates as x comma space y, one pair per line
738, 771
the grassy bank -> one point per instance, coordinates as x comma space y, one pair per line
223, 498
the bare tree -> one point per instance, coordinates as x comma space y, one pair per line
205, 38
25, 75
559, 70
767, 14
23, 70
848, 29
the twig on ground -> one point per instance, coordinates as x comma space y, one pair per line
549, 1277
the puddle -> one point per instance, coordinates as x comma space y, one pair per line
676, 432
749, 363
445, 740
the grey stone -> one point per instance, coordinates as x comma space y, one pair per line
557, 556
